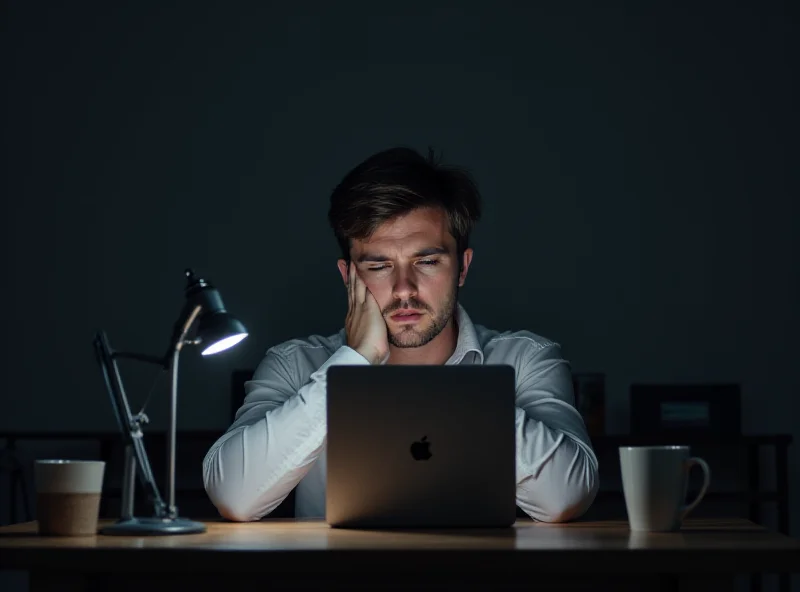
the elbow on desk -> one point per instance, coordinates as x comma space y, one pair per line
236, 489
561, 496
235, 507
235, 513
570, 506
226, 496
231, 505
577, 494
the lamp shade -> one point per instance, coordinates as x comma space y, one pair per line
218, 331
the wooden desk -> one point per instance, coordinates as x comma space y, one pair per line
291, 554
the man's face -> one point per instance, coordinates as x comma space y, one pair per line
410, 263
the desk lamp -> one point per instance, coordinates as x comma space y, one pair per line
216, 331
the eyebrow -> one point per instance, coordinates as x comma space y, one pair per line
423, 253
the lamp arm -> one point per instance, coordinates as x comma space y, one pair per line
177, 346
129, 424
181, 326
141, 358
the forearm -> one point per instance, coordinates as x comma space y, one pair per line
557, 477
253, 467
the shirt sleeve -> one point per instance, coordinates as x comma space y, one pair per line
277, 435
557, 476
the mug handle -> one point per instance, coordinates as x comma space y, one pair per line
706, 481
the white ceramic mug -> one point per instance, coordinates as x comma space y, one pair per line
654, 481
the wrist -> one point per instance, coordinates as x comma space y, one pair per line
373, 356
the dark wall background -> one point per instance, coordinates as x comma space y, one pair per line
638, 166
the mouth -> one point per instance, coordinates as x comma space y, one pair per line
406, 316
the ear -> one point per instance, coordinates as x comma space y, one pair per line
343, 269
466, 260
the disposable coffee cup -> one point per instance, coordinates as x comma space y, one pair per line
654, 482
68, 496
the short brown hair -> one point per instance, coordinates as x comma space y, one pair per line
396, 181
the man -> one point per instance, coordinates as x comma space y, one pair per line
403, 224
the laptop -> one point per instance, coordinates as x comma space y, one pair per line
421, 446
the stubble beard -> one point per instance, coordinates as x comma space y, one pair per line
409, 335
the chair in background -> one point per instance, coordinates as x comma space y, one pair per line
705, 409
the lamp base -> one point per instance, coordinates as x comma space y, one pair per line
153, 526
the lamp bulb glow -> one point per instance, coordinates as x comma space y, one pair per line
223, 344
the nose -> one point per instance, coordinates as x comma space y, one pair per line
405, 284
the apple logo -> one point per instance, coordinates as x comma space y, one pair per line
421, 450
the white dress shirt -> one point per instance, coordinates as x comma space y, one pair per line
277, 441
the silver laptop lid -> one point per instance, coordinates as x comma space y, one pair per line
421, 446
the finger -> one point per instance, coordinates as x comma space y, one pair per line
361, 289
350, 291
372, 301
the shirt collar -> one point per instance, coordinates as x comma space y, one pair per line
468, 348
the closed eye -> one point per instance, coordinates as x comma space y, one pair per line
426, 262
